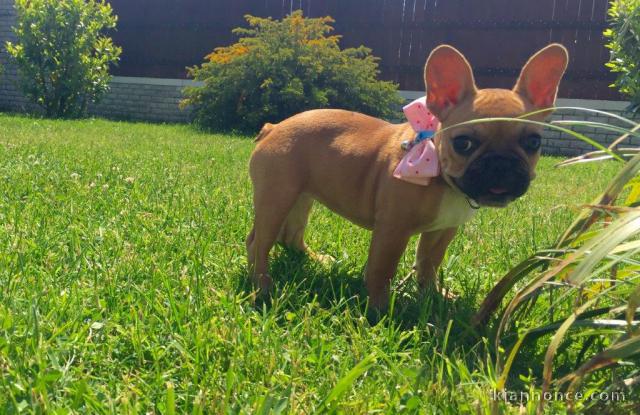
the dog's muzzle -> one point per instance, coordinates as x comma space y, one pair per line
495, 179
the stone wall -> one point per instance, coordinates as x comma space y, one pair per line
151, 99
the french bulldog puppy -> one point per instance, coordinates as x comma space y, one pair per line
346, 161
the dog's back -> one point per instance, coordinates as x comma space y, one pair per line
334, 155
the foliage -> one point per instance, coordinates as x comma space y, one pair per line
588, 282
624, 43
62, 54
280, 68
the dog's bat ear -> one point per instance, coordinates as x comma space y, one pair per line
448, 78
541, 75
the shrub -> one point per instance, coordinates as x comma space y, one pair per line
279, 68
624, 43
62, 54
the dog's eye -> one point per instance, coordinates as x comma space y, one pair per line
531, 143
464, 145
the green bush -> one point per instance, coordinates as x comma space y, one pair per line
279, 68
62, 55
624, 43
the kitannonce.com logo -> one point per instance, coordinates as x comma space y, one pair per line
522, 396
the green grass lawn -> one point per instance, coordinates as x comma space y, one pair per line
123, 285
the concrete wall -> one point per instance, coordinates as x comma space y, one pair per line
151, 99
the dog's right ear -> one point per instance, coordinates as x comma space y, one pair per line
449, 80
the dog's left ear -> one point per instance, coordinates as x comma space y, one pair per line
541, 75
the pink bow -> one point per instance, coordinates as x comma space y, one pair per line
420, 164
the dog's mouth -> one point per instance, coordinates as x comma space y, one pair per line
495, 180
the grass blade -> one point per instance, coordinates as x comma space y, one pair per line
495, 296
634, 303
575, 134
589, 216
347, 381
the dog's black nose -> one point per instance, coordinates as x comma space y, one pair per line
501, 167
497, 177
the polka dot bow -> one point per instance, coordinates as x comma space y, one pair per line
420, 163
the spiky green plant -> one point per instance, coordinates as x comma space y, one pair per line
587, 282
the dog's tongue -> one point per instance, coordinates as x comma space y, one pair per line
498, 190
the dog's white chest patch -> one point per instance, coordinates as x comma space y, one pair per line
454, 210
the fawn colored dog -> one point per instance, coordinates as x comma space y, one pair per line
346, 161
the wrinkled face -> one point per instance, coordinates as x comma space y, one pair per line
494, 162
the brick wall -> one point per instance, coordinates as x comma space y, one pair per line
559, 143
10, 98
143, 99
150, 99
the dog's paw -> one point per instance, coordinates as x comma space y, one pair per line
447, 294
375, 315
324, 259
435, 289
263, 283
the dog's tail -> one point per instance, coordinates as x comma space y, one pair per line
265, 131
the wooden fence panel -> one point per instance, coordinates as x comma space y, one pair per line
161, 38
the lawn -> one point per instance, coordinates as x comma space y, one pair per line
123, 285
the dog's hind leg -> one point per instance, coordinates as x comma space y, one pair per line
272, 208
249, 244
292, 231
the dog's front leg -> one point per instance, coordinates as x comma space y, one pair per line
388, 242
430, 252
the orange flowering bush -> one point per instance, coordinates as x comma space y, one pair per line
281, 67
